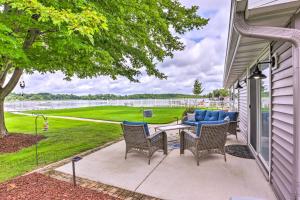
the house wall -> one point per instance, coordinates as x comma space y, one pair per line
282, 122
243, 109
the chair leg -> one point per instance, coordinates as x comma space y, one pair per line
126, 151
225, 157
182, 142
165, 143
149, 158
236, 136
182, 151
165, 151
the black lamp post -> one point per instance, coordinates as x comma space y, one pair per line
45, 128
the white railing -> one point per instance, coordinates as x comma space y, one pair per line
45, 105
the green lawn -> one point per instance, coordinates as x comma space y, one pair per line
64, 139
161, 115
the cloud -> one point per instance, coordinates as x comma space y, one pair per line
203, 59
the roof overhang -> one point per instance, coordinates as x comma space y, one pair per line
243, 51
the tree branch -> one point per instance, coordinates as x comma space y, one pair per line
3, 74
31, 37
11, 83
49, 31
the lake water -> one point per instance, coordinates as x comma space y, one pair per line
45, 105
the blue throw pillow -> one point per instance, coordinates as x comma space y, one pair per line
200, 115
233, 115
139, 123
198, 128
222, 115
212, 116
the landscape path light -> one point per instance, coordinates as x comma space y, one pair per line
74, 160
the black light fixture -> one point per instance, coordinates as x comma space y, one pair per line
257, 73
238, 86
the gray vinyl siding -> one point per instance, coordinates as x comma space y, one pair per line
243, 110
282, 122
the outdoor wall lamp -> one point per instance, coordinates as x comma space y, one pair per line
257, 73
238, 86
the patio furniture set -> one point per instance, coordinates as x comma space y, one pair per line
200, 132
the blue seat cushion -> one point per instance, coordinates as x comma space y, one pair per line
191, 123
211, 116
232, 115
199, 125
200, 115
138, 123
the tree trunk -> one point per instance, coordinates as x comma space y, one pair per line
3, 130
31, 36
3, 93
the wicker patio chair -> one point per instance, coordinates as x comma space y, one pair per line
232, 128
136, 139
211, 140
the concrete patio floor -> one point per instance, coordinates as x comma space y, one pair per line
175, 176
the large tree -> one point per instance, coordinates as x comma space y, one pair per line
89, 38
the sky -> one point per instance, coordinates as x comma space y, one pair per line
203, 58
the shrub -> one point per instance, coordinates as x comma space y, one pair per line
188, 110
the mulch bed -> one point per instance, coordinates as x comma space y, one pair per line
37, 186
17, 141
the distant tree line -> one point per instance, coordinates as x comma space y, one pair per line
217, 93
49, 96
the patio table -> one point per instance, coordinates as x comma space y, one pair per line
173, 127
173, 142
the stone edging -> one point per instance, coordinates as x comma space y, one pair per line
100, 187
113, 191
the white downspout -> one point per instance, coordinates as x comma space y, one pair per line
288, 35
